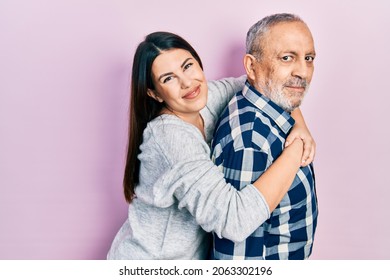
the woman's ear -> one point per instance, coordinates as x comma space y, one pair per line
249, 65
154, 95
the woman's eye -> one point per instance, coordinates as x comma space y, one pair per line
167, 79
188, 66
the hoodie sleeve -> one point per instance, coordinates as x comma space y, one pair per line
196, 184
221, 91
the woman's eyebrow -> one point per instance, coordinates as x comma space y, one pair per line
170, 73
185, 61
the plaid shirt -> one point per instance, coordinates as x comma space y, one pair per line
250, 136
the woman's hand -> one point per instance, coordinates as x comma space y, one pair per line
300, 131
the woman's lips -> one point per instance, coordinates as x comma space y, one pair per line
193, 93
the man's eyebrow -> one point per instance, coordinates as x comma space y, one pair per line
287, 52
313, 53
170, 73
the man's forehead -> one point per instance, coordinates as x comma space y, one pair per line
289, 36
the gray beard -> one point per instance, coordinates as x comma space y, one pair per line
276, 95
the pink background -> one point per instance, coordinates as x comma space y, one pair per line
64, 91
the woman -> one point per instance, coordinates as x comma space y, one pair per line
176, 193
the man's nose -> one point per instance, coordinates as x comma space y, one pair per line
300, 69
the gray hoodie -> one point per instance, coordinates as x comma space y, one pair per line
182, 195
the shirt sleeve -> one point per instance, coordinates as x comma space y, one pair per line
245, 159
244, 166
199, 186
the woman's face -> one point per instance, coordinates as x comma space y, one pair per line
179, 82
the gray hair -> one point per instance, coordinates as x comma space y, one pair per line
256, 33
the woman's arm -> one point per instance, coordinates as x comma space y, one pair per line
277, 179
221, 91
199, 186
301, 131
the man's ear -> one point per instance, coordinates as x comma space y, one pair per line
249, 65
153, 95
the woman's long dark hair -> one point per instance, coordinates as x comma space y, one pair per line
142, 107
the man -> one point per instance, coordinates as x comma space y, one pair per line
252, 131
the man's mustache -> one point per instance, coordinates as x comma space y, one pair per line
296, 82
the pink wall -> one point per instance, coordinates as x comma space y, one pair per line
64, 78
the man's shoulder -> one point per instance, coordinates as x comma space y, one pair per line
237, 106
237, 113
247, 130
241, 112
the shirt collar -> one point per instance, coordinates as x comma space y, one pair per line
276, 113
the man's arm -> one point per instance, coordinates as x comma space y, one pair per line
254, 164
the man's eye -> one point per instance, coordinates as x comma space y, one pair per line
309, 58
287, 58
188, 66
